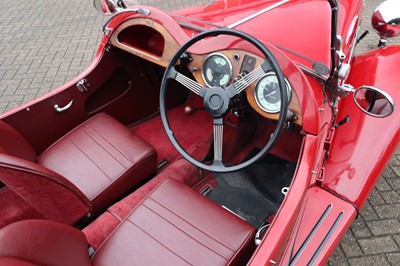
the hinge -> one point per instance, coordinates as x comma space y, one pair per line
83, 85
321, 174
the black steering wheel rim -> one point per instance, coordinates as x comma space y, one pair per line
219, 166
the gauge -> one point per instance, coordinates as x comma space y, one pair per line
217, 70
267, 93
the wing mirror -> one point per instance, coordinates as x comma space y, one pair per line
386, 20
109, 7
373, 101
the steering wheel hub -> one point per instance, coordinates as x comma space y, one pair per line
216, 101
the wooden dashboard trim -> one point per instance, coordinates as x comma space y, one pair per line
171, 46
232, 55
235, 56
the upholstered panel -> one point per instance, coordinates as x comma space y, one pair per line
12, 143
39, 242
46, 191
102, 158
98, 231
175, 225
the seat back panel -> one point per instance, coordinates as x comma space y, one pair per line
49, 193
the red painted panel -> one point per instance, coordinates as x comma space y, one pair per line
281, 228
349, 20
322, 222
309, 37
361, 148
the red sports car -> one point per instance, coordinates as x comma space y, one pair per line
237, 132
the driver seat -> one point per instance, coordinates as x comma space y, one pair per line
173, 225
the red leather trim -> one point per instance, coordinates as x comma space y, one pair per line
103, 158
4, 261
48, 192
175, 225
43, 242
12, 143
98, 231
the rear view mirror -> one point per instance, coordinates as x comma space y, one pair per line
374, 101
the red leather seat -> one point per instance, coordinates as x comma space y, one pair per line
82, 173
42, 242
173, 225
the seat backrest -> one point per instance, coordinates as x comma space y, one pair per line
40, 242
13, 143
49, 193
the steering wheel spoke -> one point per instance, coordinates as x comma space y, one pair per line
218, 126
245, 81
188, 83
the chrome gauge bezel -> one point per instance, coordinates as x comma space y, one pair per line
229, 64
265, 108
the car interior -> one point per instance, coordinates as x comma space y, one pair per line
105, 175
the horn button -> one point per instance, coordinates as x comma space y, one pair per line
216, 101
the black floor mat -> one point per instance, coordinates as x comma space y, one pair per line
255, 192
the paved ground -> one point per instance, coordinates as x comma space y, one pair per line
45, 43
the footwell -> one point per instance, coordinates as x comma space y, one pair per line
255, 192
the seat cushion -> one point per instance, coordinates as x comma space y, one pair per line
174, 225
103, 158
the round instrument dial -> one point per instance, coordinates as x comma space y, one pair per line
217, 70
267, 93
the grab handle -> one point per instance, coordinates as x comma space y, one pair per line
62, 109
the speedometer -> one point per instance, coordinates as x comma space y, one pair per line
217, 70
267, 93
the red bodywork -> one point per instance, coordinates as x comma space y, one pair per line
337, 168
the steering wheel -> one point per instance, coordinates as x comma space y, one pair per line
217, 100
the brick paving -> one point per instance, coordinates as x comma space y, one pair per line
44, 44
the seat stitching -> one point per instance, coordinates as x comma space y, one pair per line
107, 151
198, 241
125, 219
98, 166
112, 144
144, 231
133, 168
115, 215
71, 132
217, 240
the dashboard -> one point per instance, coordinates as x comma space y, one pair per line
222, 68
149, 40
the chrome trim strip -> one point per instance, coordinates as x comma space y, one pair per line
142, 11
262, 11
191, 26
312, 73
196, 20
326, 238
311, 235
